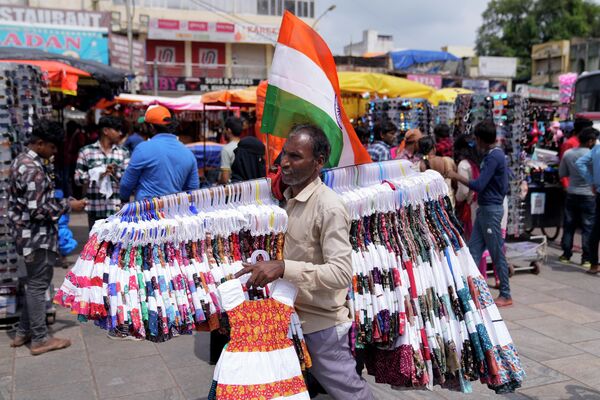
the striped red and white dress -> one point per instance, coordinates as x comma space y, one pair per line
260, 361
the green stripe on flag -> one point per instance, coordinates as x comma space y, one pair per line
283, 110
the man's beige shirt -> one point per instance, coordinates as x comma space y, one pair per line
318, 256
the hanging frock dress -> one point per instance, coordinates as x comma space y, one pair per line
260, 361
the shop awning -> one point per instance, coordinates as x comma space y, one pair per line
404, 59
183, 103
63, 78
447, 95
382, 85
103, 80
235, 97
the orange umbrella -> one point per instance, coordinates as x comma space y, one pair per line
63, 77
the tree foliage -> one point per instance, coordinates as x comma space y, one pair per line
511, 27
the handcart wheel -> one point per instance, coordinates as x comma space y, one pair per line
551, 235
535, 267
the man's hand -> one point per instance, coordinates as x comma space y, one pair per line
110, 170
77, 205
262, 272
452, 175
455, 176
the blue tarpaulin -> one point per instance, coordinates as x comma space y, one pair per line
213, 154
404, 59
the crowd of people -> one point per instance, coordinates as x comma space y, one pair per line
109, 174
106, 173
477, 176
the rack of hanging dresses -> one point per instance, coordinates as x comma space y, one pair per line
423, 314
156, 264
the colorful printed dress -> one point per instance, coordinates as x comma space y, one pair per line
260, 361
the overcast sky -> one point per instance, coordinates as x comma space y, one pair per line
421, 24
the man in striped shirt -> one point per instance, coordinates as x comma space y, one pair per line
34, 211
100, 167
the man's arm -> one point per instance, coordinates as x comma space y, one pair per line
487, 172
192, 182
226, 162
585, 164
334, 274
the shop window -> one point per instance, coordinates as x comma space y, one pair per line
312, 9
263, 7
290, 5
273, 9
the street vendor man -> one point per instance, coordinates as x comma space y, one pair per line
317, 259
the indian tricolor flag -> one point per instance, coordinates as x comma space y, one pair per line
304, 88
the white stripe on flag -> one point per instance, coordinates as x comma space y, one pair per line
297, 74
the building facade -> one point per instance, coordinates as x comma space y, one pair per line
372, 43
187, 45
548, 61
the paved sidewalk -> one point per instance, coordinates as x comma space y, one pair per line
555, 324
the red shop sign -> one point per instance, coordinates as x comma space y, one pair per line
225, 27
168, 24
198, 26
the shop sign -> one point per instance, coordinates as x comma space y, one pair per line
202, 31
538, 203
498, 86
429, 80
165, 54
208, 58
183, 84
451, 83
256, 34
477, 85
78, 43
500, 67
538, 93
119, 53
47, 16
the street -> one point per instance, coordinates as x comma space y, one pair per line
555, 324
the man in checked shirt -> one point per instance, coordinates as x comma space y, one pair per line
100, 160
34, 212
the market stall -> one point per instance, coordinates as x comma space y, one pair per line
510, 113
25, 99
358, 88
100, 81
433, 312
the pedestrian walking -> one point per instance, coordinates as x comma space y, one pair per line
100, 166
385, 136
34, 212
580, 205
233, 131
589, 167
161, 165
317, 259
491, 187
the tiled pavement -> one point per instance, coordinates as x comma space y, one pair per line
555, 324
